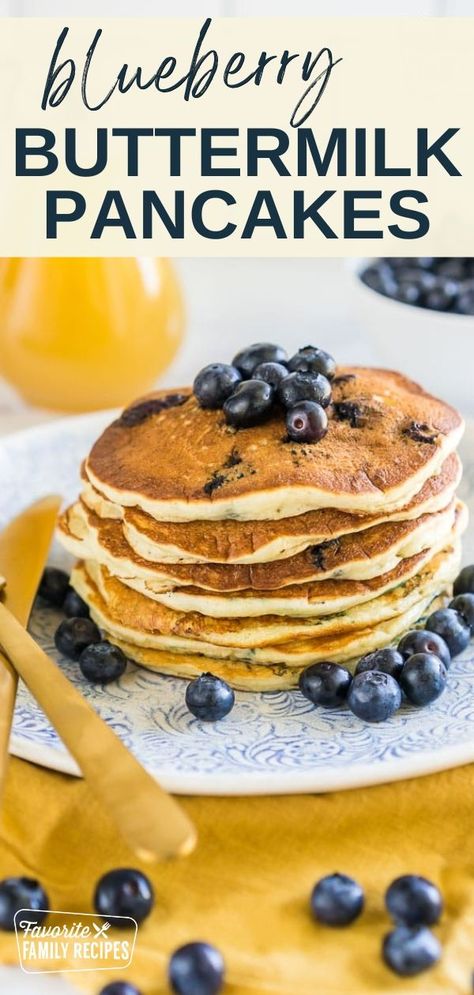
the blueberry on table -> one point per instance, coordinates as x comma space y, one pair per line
409, 950
54, 586
17, 894
388, 661
325, 684
248, 359
313, 360
120, 988
337, 900
374, 696
74, 606
196, 969
464, 583
209, 698
74, 634
124, 892
448, 624
300, 386
249, 404
271, 373
464, 605
215, 383
102, 663
422, 641
307, 422
412, 900
423, 678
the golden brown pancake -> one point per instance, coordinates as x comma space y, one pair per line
386, 437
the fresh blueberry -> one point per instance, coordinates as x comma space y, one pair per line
74, 634
124, 892
196, 969
54, 586
409, 950
272, 373
300, 386
248, 359
422, 641
423, 678
17, 894
452, 269
374, 696
307, 422
250, 403
448, 624
464, 583
465, 301
325, 684
120, 988
209, 698
379, 277
313, 360
388, 661
215, 383
409, 292
337, 900
102, 663
439, 298
74, 606
413, 901
464, 605
421, 278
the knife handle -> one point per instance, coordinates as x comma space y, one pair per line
8, 686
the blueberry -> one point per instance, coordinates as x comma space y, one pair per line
451, 627
464, 605
196, 969
313, 360
124, 892
209, 699
409, 292
248, 359
272, 373
250, 403
465, 301
307, 422
420, 278
102, 663
410, 950
325, 684
337, 900
413, 901
120, 988
388, 661
379, 277
439, 298
374, 696
464, 583
74, 634
452, 269
423, 678
22, 893
422, 641
74, 606
301, 386
215, 383
54, 586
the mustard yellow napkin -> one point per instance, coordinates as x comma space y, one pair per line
246, 887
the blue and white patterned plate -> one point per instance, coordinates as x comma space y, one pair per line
271, 743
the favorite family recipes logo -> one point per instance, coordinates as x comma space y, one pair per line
74, 942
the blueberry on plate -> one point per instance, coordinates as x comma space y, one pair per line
272, 373
464, 583
448, 624
374, 696
388, 661
422, 641
464, 605
249, 404
313, 360
54, 586
423, 678
196, 969
337, 900
209, 698
74, 606
120, 988
409, 950
300, 386
412, 900
248, 359
17, 894
124, 892
215, 383
307, 422
74, 634
325, 684
102, 662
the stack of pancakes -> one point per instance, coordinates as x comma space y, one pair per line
206, 548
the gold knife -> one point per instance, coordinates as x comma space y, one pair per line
24, 546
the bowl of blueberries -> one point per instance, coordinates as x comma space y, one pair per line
414, 308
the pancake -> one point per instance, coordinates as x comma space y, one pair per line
259, 541
386, 438
358, 556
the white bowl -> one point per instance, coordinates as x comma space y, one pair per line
434, 348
